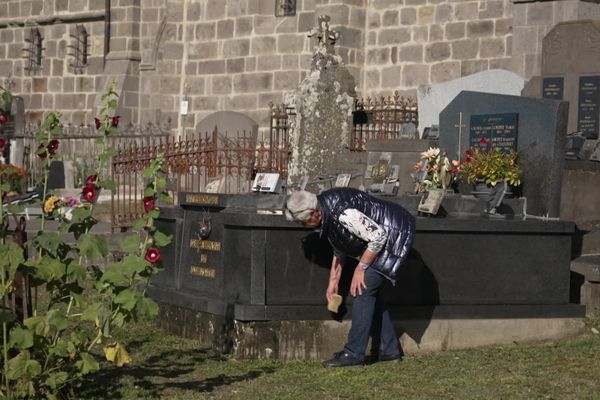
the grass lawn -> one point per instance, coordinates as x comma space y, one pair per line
168, 367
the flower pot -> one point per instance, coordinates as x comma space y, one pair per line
481, 190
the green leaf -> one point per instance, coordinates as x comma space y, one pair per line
154, 214
48, 268
38, 324
149, 191
114, 275
15, 208
161, 239
87, 363
161, 182
146, 308
112, 103
56, 379
80, 214
139, 224
49, 240
108, 185
166, 197
131, 264
148, 172
20, 338
128, 299
92, 312
75, 272
93, 246
131, 243
57, 319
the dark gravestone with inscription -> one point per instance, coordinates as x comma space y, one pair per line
540, 137
589, 101
498, 129
552, 88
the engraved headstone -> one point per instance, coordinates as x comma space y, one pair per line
571, 72
537, 128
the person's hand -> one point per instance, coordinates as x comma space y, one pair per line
358, 282
331, 290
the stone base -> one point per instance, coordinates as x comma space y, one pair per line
309, 339
590, 296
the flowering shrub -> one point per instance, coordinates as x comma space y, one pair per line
47, 354
489, 164
436, 170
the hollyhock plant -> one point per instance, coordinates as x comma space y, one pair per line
152, 255
89, 193
3, 118
98, 122
115, 121
149, 203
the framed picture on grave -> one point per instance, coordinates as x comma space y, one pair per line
342, 180
394, 173
215, 185
265, 182
431, 201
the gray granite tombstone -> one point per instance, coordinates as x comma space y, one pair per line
540, 137
571, 72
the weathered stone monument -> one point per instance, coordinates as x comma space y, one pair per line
571, 72
537, 132
324, 103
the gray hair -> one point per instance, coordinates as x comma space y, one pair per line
299, 205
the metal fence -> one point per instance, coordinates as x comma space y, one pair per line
78, 149
205, 162
382, 118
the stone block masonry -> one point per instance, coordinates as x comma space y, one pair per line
239, 48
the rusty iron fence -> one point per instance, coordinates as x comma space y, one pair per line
382, 118
205, 162
78, 149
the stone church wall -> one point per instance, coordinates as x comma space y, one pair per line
236, 55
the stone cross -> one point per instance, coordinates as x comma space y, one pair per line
460, 125
324, 35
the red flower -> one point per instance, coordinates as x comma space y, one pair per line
41, 152
89, 193
53, 146
468, 152
3, 119
149, 203
115, 121
98, 122
468, 160
484, 141
152, 255
2, 143
91, 180
454, 170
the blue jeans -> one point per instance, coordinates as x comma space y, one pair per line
370, 317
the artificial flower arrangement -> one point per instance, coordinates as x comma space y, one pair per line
62, 207
435, 170
487, 163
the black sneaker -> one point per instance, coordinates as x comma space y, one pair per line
390, 358
342, 359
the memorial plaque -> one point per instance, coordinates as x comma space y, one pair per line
499, 129
552, 88
587, 117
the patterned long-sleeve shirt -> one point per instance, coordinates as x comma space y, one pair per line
365, 228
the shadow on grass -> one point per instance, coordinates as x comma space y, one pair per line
173, 370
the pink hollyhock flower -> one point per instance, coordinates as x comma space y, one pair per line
89, 193
149, 203
152, 255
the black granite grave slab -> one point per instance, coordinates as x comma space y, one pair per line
254, 266
541, 140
